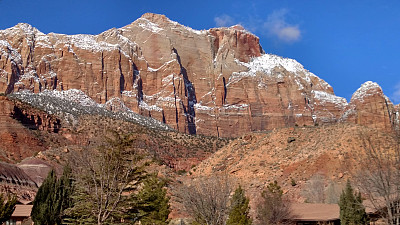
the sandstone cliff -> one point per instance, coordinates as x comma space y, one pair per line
17, 140
371, 108
214, 82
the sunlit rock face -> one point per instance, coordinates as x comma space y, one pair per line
370, 107
213, 82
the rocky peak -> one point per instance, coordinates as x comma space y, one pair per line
21, 29
206, 82
367, 89
155, 18
370, 107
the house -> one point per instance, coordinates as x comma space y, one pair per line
21, 215
310, 213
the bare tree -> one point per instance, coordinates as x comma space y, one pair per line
332, 193
273, 208
314, 190
379, 174
103, 179
207, 199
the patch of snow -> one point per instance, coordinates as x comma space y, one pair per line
266, 64
367, 89
148, 25
73, 95
168, 79
347, 113
237, 106
9, 52
31, 74
144, 105
72, 103
89, 42
198, 106
154, 70
324, 97
129, 94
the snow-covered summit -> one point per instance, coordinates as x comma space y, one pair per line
367, 89
25, 28
267, 63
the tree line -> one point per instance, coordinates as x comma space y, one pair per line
112, 186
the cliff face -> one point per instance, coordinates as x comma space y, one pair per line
213, 82
17, 141
370, 107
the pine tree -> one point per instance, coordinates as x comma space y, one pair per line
352, 211
52, 198
153, 202
65, 191
7, 207
239, 213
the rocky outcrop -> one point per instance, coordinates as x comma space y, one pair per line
214, 82
371, 108
14, 180
36, 169
16, 124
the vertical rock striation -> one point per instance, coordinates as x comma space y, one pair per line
214, 82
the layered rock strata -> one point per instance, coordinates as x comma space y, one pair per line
370, 107
214, 82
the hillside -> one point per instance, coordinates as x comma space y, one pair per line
292, 155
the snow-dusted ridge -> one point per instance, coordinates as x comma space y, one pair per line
73, 103
266, 64
324, 97
365, 90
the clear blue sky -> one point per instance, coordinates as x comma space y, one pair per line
345, 42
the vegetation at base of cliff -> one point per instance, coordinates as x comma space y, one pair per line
52, 198
152, 202
70, 111
239, 212
207, 199
352, 211
7, 207
273, 208
112, 184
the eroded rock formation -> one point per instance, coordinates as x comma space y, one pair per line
371, 108
213, 82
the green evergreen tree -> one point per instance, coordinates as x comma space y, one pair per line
44, 200
352, 211
52, 198
7, 207
65, 191
153, 202
239, 213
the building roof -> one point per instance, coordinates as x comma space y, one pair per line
315, 212
22, 211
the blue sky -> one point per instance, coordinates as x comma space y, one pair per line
345, 42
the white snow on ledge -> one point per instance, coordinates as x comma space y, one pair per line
144, 105
73, 95
324, 97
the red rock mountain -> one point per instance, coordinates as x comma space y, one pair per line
214, 82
